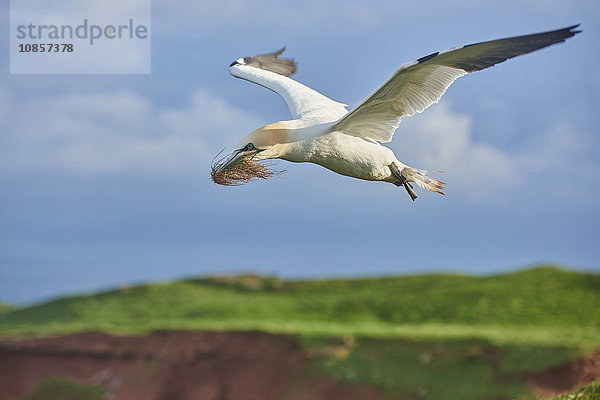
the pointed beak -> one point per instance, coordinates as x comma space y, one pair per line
233, 157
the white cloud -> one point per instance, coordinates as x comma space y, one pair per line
124, 132
441, 139
556, 150
117, 132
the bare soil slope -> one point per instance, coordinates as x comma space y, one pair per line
566, 377
172, 365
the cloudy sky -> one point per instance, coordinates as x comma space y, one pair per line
104, 179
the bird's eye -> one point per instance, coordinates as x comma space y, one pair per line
249, 146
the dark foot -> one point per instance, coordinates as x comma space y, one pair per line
403, 182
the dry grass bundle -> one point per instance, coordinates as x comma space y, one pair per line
241, 172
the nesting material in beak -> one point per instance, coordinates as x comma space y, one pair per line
240, 171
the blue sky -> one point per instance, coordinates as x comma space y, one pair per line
104, 179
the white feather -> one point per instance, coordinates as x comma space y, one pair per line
412, 89
302, 101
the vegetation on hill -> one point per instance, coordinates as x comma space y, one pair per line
588, 392
426, 336
437, 369
54, 387
540, 305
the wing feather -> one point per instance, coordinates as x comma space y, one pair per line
272, 72
271, 62
419, 84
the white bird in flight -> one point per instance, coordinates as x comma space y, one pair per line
323, 132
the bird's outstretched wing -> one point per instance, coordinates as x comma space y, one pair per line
272, 72
417, 85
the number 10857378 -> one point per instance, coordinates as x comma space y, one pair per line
46, 48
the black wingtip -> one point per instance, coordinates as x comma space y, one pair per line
570, 29
577, 31
559, 35
568, 32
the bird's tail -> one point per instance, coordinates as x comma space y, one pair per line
418, 176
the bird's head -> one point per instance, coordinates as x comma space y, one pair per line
248, 160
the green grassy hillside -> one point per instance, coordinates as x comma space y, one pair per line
541, 305
425, 336
588, 392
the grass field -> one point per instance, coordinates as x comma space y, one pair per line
588, 392
413, 336
55, 388
539, 306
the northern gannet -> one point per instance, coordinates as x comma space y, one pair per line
323, 132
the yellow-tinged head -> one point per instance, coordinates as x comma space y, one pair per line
247, 162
